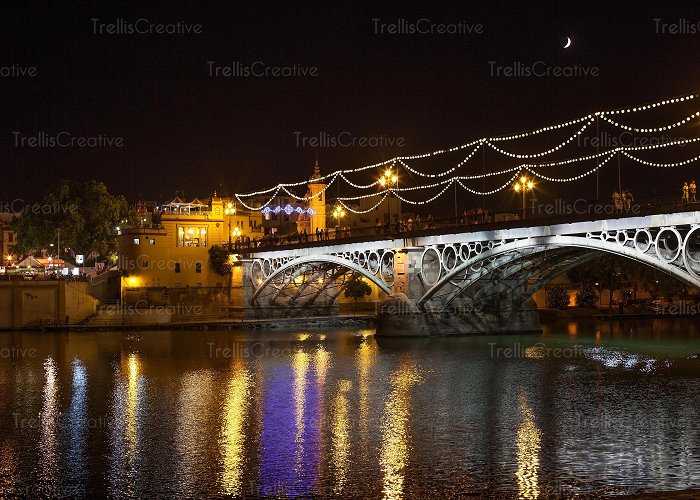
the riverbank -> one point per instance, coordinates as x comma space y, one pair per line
631, 312
310, 323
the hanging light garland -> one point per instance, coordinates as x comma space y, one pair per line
655, 129
479, 143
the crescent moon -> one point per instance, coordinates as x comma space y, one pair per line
568, 42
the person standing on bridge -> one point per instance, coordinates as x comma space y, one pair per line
691, 190
684, 198
628, 199
617, 201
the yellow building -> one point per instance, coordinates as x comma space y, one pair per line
170, 245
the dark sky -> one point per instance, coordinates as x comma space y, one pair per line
184, 130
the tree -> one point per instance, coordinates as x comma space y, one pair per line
587, 297
84, 212
357, 289
220, 260
556, 297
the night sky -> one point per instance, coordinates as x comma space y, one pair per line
183, 129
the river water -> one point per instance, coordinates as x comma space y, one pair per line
586, 408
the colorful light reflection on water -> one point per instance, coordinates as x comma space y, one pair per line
340, 413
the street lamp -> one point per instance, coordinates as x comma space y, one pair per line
229, 211
338, 213
523, 186
389, 180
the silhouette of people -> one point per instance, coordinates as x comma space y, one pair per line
628, 199
691, 190
617, 201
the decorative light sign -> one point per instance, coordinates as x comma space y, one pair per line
289, 210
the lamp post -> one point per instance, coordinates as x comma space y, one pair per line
338, 213
236, 233
229, 211
522, 186
389, 180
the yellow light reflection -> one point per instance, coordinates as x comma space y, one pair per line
366, 357
49, 422
396, 441
300, 367
528, 449
340, 445
132, 402
322, 360
232, 438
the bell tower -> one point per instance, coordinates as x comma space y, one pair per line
317, 201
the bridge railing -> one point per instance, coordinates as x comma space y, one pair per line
544, 214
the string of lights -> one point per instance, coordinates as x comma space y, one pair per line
654, 129
411, 202
542, 153
493, 191
341, 202
479, 143
661, 165
446, 172
569, 179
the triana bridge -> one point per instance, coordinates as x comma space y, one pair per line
475, 279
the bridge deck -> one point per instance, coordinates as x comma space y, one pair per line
451, 226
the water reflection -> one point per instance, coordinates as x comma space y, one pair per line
195, 399
395, 428
341, 436
528, 451
365, 358
300, 365
78, 426
48, 444
126, 421
232, 436
8, 454
345, 416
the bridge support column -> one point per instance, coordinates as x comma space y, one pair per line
400, 316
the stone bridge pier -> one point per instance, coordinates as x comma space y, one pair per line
403, 313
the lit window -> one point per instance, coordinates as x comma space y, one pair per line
137, 241
152, 241
189, 236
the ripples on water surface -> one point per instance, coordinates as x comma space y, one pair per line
583, 409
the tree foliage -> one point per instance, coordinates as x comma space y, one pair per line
587, 296
556, 297
84, 212
220, 260
357, 289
